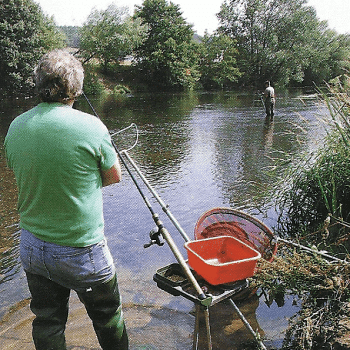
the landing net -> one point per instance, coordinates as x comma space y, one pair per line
229, 222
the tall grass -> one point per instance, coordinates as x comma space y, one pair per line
318, 184
313, 196
312, 189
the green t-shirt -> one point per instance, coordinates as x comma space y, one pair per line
57, 153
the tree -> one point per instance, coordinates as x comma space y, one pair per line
281, 40
72, 35
299, 38
110, 35
168, 57
25, 34
218, 64
330, 59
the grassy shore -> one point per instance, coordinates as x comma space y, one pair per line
313, 196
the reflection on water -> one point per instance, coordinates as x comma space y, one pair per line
227, 329
199, 151
8, 224
268, 135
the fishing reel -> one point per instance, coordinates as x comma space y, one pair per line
155, 238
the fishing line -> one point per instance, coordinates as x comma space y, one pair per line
122, 130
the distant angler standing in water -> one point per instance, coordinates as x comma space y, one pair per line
61, 159
269, 95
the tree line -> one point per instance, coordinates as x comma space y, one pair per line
280, 40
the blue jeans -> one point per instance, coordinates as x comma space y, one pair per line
52, 272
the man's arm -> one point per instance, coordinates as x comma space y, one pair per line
112, 175
267, 93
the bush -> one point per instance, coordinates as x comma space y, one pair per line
121, 89
92, 83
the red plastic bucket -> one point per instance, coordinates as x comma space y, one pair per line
221, 260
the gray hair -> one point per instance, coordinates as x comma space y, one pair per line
59, 77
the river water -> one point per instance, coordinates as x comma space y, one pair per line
199, 151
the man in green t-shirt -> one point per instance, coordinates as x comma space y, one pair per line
61, 159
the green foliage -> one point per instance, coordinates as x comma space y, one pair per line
92, 83
218, 64
25, 34
110, 35
330, 57
50, 36
283, 41
317, 189
72, 36
167, 57
121, 89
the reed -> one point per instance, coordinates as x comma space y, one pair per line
317, 185
313, 198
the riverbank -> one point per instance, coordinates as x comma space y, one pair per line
119, 79
320, 289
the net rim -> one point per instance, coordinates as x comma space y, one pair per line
239, 213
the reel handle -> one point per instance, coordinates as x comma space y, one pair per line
155, 238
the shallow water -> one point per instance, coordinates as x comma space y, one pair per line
198, 151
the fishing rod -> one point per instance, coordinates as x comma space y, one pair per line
157, 197
205, 300
262, 100
186, 238
161, 230
310, 250
249, 327
163, 205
